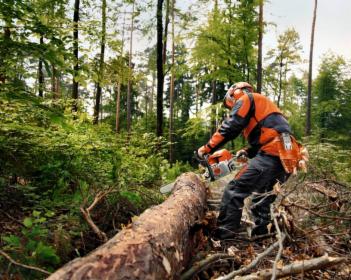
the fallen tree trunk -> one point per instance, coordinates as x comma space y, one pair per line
156, 246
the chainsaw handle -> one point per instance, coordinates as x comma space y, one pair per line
204, 162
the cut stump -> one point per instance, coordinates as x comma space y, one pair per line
157, 245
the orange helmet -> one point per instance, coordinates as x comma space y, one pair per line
235, 92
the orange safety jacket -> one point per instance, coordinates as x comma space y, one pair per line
260, 121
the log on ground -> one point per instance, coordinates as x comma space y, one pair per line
156, 246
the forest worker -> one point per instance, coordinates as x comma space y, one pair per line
274, 152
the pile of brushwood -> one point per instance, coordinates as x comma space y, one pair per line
311, 240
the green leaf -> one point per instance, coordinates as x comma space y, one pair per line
50, 214
28, 222
46, 253
36, 213
12, 240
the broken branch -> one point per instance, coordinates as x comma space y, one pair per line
11, 260
201, 265
252, 264
295, 268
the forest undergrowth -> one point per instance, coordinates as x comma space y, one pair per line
67, 186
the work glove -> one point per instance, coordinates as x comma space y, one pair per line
304, 159
202, 151
241, 155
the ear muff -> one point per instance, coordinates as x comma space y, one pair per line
229, 99
238, 93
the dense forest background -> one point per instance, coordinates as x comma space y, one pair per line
92, 122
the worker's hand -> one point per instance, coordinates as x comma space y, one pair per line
202, 151
241, 155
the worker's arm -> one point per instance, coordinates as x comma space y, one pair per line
232, 126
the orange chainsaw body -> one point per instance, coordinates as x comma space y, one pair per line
221, 163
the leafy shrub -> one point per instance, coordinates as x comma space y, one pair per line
54, 163
31, 245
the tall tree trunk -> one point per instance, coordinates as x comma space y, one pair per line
40, 70
171, 93
153, 91
280, 79
197, 91
54, 83
259, 57
165, 34
213, 102
130, 69
101, 68
160, 74
118, 105
75, 84
101, 107
147, 100
7, 37
309, 88
118, 92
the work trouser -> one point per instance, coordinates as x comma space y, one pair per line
259, 176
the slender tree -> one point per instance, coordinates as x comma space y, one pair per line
118, 92
309, 87
75, 84
171, 93
165, 34
160, 74
259, 55
101, 63
130, 69
213, 102
40, 70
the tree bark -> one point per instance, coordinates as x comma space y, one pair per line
75, 84
165, 35
40, 71
101, 68
259, 57
7, 38
156, 246
280, 79
171, 93
119, 85
309, 87
130, 69
213, 102
160, 74
55, 83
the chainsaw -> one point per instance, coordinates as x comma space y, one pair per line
217, 165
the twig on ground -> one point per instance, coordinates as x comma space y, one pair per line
252, 264
10, 217
201, 265
280, 240
295, 268
11, 260
317, 214
333, 181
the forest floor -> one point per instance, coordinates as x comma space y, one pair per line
313, 220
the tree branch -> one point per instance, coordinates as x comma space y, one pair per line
295, 268
252, 264
201, 265
11, 260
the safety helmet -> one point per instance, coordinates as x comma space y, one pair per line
235, 92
